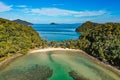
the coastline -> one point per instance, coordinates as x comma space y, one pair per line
107, 66
51, 49
89, 57
8, 60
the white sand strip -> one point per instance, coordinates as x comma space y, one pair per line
52, 49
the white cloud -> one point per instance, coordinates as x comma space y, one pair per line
52, 11
4, 7
90, 13
63, 12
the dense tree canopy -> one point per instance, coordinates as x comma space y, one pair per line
101, 41
86, 26
16, 38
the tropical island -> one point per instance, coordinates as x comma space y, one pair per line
59, 40
100, 41
53, 23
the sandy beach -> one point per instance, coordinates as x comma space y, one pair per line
52, 49
8, 60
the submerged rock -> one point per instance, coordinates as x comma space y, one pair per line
75, 76
35, 72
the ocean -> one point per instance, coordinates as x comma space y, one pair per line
58, 32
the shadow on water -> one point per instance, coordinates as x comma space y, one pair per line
75, 76
35, 72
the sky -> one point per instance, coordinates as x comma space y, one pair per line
61, 11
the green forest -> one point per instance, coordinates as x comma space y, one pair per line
99, 40
17, 38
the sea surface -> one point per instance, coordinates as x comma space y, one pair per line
58, 32
55, 65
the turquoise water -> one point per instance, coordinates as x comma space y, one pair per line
55, 65
57, 32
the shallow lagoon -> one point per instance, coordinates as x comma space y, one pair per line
55, 65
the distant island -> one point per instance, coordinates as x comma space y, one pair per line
22, 22
53, 23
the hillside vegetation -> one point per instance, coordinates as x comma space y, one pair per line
101, 41
86, 26
16, 38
